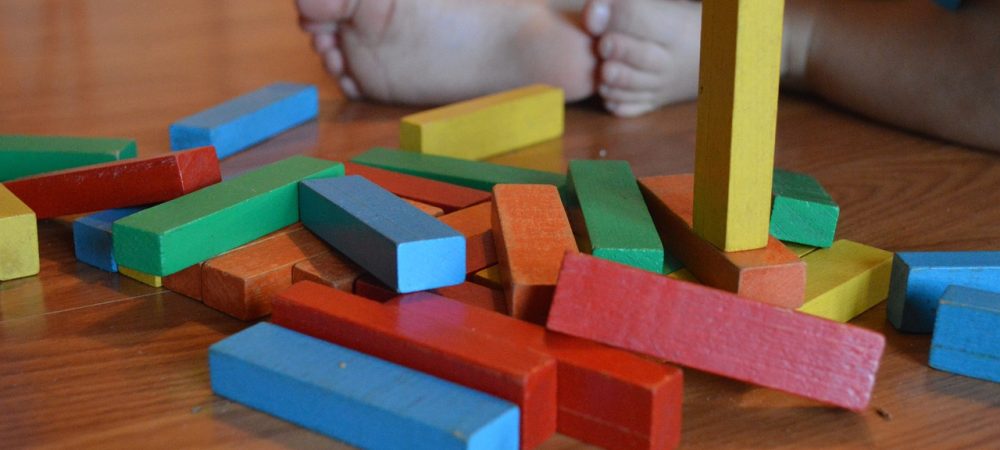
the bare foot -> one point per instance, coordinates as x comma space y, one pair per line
440, 51
649, 51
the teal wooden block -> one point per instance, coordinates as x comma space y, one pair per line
802, 211
177, 234
22, 156
966, 337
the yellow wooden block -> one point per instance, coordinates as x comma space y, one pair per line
683, 275
486, 126
846, 280
18, 238
546, 156
800, 250
737, 114
489, 277
142, 277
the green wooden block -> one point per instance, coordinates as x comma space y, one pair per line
187, 230
802, 211
618, 223
22, 156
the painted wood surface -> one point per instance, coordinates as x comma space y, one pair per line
489, 277
447, 196
92, 242
19, 242
846, 280
430, 210
24, 156
475, 224
966, 337
330, 269
476, 295
142, 277
802, 211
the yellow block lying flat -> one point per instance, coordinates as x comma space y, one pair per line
18, 238
846, 280
683, 275
486, 126
800, 250
489, 277
142, 277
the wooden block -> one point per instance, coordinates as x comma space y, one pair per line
716, 331
330, 269
475, 224
118, 184
19, 242
486, 126
395, 242
966, 337
430, 210
800, 250
737, 114
489, 277
949, 4
175, 235
24, 156
447, 196
607, 397
546, 156
532, 234
771, 275
802, 211
846, 280
683, 275
144, 278
251, 118
618, 224
92, 237
371, 288
516, 374
354, 397
476, 295
919, 278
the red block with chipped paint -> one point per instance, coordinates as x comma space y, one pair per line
447, 196
475, 224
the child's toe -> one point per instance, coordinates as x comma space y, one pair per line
619, 75
326, 10
639, 53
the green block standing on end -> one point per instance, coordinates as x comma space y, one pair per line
174, 235
802, 211
22, 156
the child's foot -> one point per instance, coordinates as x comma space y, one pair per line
649, 51
440, 51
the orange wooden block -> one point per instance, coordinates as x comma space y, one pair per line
475, 224
430, 210
771, 275
330, 269
475, 295
447, 196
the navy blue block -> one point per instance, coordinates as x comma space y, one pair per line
248, 119
949, 4
359, 399
403, 247
92, 237
966, 336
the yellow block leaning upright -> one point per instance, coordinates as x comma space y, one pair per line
846, 280
18, 237
737, 115
486, 126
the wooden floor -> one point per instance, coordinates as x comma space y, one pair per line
90, 359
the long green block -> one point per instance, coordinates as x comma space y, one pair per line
618, 223
187, 230
22, 156
802, 211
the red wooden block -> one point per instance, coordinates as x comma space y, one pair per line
118, 184
607, 397
514, 373
475, 224
476, 295
716, 331
330, 269
446, 196
773, 274
368, 287
430, 210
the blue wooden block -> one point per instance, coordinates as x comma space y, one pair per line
919, 278
966, 336
248, 119
403, 247
949, 4
353, 397
92, 237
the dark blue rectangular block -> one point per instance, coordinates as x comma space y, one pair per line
92, 241
248, 119
353, 397
966, 336
403, 247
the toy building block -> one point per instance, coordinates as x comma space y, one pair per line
771, 275
949, 4
395, 242
966, 337
716, 331
430, 210
177, 234
486, 126
546, 156
246, 120
846, 280
18, 238
447, 196
618, 224
475, 295
737, 115
519, 375
802, 211
369, 287
683, 275
532, 234
475, 224
919, 278
354, 397
144, 278
800, 250
330, 269
606, 397
489, 277
92, 237
24, 156
118, 184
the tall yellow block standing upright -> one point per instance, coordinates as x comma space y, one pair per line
737, 115
18, 237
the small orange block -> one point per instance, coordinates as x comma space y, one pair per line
330, 269
475, 224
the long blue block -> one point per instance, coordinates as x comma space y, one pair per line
966, 336
92, 237
246, 120
920, 278
359, 399
403, 247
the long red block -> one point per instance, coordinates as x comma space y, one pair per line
513, 373
472, 294
118, 184
475, 224
446, 196
773, 274
607, 397
716, 331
